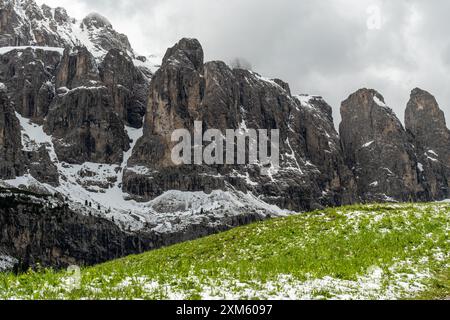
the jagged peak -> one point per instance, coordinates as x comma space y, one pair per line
372, 95
61, 16
422, 104
188, 48
283, 84
30, 10
416, 92
422, 99
96, 20
369, 91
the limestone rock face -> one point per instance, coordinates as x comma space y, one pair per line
11, 158
93, 104
323, 148
14, 160
13, 26
378, 149
41, 167
78, 80
127, 85
85, 128
426, 123
168, 108
28, 75
77, 68
185, 90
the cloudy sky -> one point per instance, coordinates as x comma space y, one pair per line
326, 47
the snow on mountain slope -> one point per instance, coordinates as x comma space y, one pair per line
97, 188
100, 187
151, 62
27, 24
4, 50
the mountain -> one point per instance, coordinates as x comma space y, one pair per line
87, 123
378, 150
425, 121
312, 172
24, 23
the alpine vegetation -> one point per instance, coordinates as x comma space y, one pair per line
392, 251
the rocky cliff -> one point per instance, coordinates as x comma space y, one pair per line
87, 121
426, 123
28, 74
11, 157
185, 89
378, 150
38, 229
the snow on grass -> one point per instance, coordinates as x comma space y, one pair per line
395, 251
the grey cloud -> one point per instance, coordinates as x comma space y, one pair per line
319, 47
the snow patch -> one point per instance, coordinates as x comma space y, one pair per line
152, 63
100, 185
420, 166
4, 50
305, 100
293, 157
433, 153
379, 102
33, 137
266, 80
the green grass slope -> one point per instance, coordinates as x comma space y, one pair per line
387, 251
